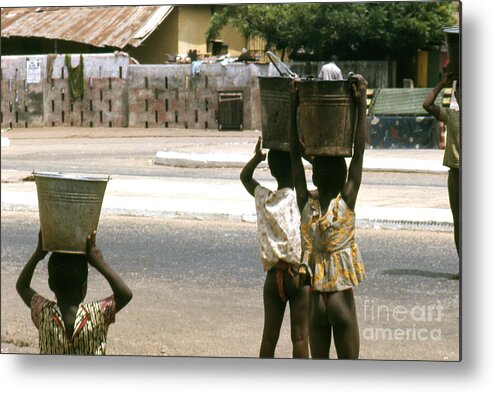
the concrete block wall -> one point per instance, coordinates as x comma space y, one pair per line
22, 102
103, 105
169, 95
48, 102
117, 94
104, 101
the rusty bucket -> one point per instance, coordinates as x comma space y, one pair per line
327, 117
275, 107
69, 209
452, 36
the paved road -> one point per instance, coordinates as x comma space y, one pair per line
135, 157
387, 198
198, 288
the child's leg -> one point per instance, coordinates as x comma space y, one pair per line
298, 309
453, 183
319, 327
274, 308
341, 312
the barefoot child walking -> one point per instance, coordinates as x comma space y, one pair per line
67, 326
278, 223
330, 253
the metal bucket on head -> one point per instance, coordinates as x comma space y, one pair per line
327, 117
69, 209
452, 37
275, 107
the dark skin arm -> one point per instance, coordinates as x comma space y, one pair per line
350, 190
429, 102
121, 291
303, 154
23, 284
296, 152
246, 175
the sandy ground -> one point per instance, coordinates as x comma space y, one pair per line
211, 322
170, 317
153, 325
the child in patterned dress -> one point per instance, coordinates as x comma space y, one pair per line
67, 326
330, 253
278, 221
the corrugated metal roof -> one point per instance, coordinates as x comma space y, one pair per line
99, 26
400, 101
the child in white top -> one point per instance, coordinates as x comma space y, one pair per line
278, 221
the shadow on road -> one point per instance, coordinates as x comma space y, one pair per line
420, 273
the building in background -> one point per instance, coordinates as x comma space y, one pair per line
149, 34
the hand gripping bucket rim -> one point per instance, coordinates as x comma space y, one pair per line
69, 208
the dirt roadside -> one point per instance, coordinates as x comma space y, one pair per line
85, 132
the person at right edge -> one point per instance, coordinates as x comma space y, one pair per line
451, 158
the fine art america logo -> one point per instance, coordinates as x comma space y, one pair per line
402, 323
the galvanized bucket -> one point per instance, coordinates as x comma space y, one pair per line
275, 107
69, 209
327, 117
452, 36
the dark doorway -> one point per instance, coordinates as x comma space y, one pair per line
230, 110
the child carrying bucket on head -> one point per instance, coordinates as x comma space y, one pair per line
451, 158
69, 326
278, 223
330, 253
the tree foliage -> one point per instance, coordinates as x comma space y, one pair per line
350, 30
269, 21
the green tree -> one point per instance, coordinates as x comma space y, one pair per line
268, 21
350, 30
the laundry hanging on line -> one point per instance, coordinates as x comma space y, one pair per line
75, 77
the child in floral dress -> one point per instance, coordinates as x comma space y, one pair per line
330, 254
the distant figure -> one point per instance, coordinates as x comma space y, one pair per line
245, 56
330, 71
278, 221
68, 326
192, 54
